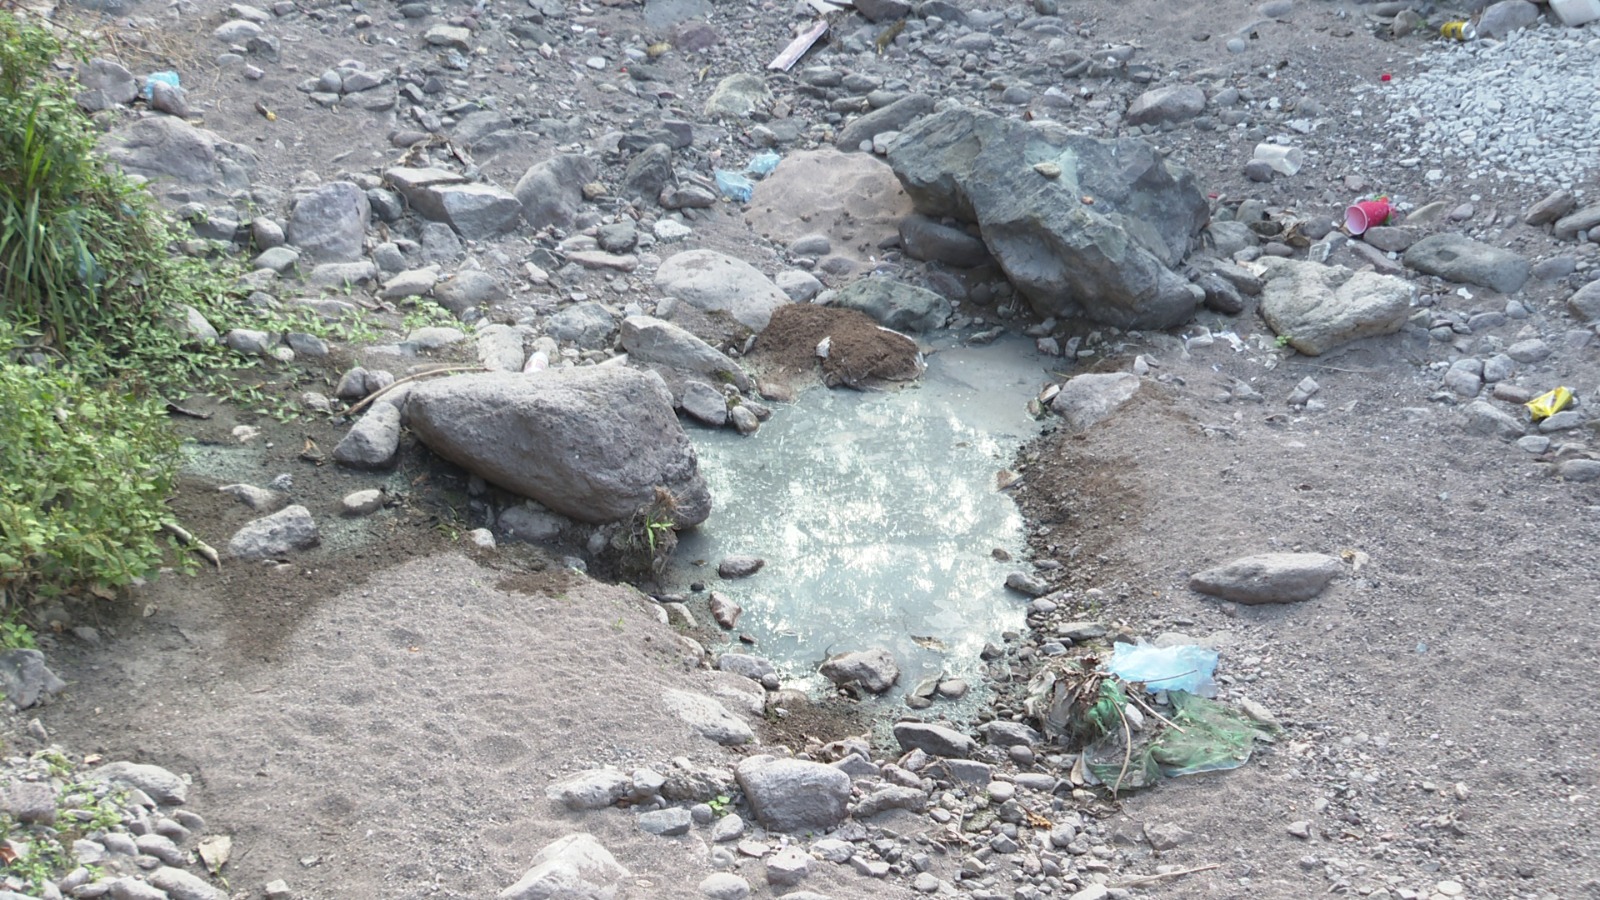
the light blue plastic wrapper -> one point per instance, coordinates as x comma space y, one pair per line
733, 185
163, 77
762, 164
1182, 668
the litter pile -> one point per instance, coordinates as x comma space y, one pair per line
1128, 740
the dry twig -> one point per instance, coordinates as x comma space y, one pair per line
406, 380
1147, 880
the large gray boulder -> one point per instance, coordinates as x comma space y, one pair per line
590, 443
1318, 308
1458, 258
1078, 224
1087, 399
719, 284
675, 353
329, 223
893, 304
1269, 578
552, 191
166, 149
793, 794
575, 867
874, 670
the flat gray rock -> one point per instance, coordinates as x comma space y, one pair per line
737, 96
716, 283
934, 739
475, 211
575, 866
1085, 400
669, 822
592, 443
373, 441
163, 786
709, 718
165, 148
894, 117
893, 304
286, 530
873, 670
705, 404
591, 789
1318, 308
1458, 258
792, 794
1483, 417
1269, 578
589, 325
1175, 103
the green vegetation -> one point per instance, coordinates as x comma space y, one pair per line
89, 294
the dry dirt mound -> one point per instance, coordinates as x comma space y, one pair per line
858, 353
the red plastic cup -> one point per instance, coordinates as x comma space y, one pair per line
1364, 215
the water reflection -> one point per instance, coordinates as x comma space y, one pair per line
877, 515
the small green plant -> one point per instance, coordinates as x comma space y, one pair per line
425, 313
14, 635
720, 805
646, 541
1284, 340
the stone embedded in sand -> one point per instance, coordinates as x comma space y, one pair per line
1269, 578
591, 789
592, 444
716, 283
1318, 308
874, 670
291, 528
936, 740
1458, 258
574, 866
708, 717
551, 192
1085, 400
163, 786
793, 794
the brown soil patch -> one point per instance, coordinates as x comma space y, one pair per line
860, 354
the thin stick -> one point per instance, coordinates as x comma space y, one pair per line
1170, 724
1142, 880
409, 378
1127, 750
193, 543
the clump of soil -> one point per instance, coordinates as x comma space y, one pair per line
860, 353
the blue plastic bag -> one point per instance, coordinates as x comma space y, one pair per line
762, 164
1182, 668
733, 185
163, 77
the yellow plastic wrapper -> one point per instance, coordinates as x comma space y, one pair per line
1549, 403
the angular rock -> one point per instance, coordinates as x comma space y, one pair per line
590, 443
902, 307
1109, 259
329, 223
874, 670
1319, 308
889, 797
737, 96
468, 289
410, 283
708, 717
1158, 106
705, 403
1584, 303
25, 679
669, 822
575, 867
1484, 417
788, 867
649, 173
106, 83
1085, 400
1458, 258
551, 192
792, 794
290, 528
936, 740
475, 211
373, 441
163, 786
725, 610
591, 789
1268, 578
29, 802
676, 353
894, 117
716, 283
1555, 205
588, 325
163, 148
1500, 19
925, 239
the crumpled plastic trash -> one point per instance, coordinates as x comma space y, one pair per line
1186, 667
163, 77
762, 164
733, 185
1549, 403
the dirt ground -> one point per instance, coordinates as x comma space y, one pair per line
379, 717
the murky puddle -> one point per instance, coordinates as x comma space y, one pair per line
878, 516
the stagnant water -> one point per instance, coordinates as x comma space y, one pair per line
878, 517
